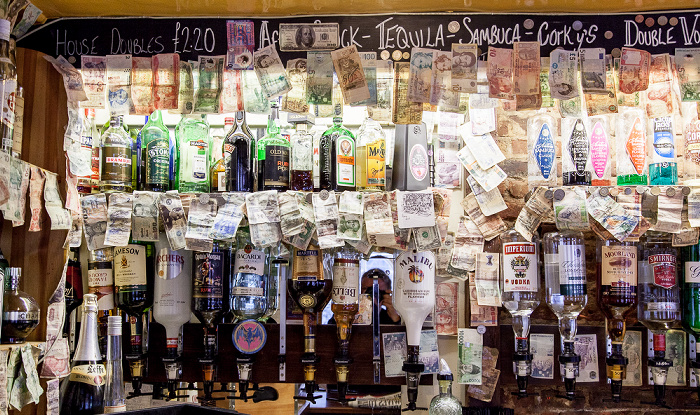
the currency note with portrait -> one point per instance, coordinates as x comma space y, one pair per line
185, 93
144, 218
72, 79
271, 73
319, 79
446, 307
94, 71
526, 68
254, 98
142, 85
634, 70
470, 356
500, 73
351, 76
403, 110
688, 67
240, 40
586, 346
464, 67
94, 219
420, 75
542, 349
570, 210
480, 315
36, 189
166, 80
632, 350
613, 217
676, 350
308, 36
60, 217
486, 276
295, 99
291, 220
489, 226
118, 219
378, 220
592, 63
174, 219
210, 81
200, 220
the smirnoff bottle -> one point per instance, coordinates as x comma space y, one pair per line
115, 158
659, 307
371, 150
565, 284
631, 151
541, 148
575, 153
691, 298
520, 296
155, 154
337, 157
194, 153
600, 150
691, 167
662, 166
414, 291
302, 160
239, 156
616, 266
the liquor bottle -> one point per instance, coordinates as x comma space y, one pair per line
445, 403
74, 286
18, 126
575, 153
279, 267
631, 151
565, 284
273, 156
83, 391
311, 291
520, 279
217, 172
8, 87
691, 298
371, 153
658, 308
20, 312
662, 166
337, 157
239, 156
96, 148
616, 266
541, 149
84, 185
249, 284
302, 159
114, 397
346, 303
600, 150
411, 165
414, 299
317, 161
194, 147
155, 154
115, 158
691, 167
209, 270
101, 283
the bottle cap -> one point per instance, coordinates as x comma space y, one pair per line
89, 303
114, 326
445, 372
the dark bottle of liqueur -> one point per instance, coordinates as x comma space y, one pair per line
82, 393
209, 272
691, 296
74, 286
337, 158
239, 156
273, 157
20, 312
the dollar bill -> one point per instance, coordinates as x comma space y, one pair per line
613, 217
592, 62
94, 72
542, 349
688, 67
271, 73
94, 219
295, 99
378, 220
486, 275
166, 70
490, 202
447, 307
60, 217
319, 80
403, 110
470, 356
326, 216
36, 189
632, 350
185, 92
676, 350
145, 216
142, 85
426, 238
570, 210
480, 315
72, 79
119, 219
200, 220
500, 73
464, 67
634, 70
526, 68
262, 207
52, 396
291, 221
489, 178
210, 82
420, 75
265, 234
308, 36
174, 220
351, 77
489, 226
240, 39
668, 218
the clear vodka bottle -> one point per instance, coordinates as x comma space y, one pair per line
250, 279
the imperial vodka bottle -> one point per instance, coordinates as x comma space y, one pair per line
662, 149
250, 279
565, 284
371, 151
575, 149
599, 138
520, 296
541, 149
631, 152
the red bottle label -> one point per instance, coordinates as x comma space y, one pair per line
664, 266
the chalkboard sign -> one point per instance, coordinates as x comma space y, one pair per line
191, 37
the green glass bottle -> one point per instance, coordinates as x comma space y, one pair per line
691, 289
337, 157
155, 154
273, 156
193, 148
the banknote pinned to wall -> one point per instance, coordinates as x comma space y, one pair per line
420, 75
526, 68
592, 62
632, 350
94, 71
254, 99
271, 73
72, 80
500, 73
166, 80
542, 349
319, 80
308, 36
470, 356
185, 93
404, 111
381, 111
570, 209
447, 307
634, 70
351, 76
440, 86
142, 85
295, 99
240, 39
599, 104
210, 82
369, 67
688, 67
464, 67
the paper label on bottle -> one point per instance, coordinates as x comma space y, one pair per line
208, 275
544, 151
276, 166
520, 267
20, 316
418, 162
169, 264
158, 162
8, 103
114, 409
692, 272
248, 291
572, 270
664, 268
600, 152
376, 163
692, 142
578, 148
93, 374
346, 282
619, 267
306, 265
664, 150
662, 306
221, 182
415, 274
636, 146
130, 265
199, 166
345, 159
249, 261
116, 164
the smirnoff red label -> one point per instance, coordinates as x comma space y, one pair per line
664, 268
519, 267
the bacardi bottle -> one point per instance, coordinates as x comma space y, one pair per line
601, 164
337, 157
250, 279
273, 156
302, 156
575, 153
541, 149
662, 166
115, 158
194, 153
239, 156
155, 154
565, 278
691, 298
631, 148
521, 296
371, 151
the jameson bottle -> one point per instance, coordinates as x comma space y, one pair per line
115, 158
273, 156
101, 283
600, 151
371, 153
631, 150
662, 149
337, 157
239, 156
575, 153
194, 151
82, 392
302, 160
691, 296
541, 148
250, 280
155, 154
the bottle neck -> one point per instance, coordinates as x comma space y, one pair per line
337, 121
88, 348
114, 347
272, 126
445, 387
